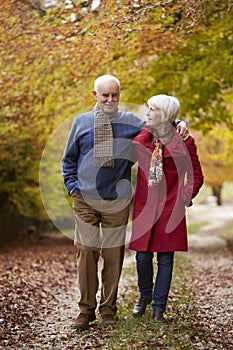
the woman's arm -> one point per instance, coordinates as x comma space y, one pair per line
195, 178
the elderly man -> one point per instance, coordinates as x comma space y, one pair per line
97, 171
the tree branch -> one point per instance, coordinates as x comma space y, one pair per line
36, 5
160, 4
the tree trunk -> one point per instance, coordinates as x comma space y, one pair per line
11, 222
217, 192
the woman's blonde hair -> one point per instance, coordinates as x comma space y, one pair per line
168, 105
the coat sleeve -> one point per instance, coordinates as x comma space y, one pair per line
195, 178
140, 145
70, 159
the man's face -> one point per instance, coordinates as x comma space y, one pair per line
107, 96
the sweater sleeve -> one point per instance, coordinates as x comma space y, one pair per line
70, 159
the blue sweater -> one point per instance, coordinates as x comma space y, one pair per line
81, 176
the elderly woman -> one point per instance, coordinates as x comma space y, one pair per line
169, 177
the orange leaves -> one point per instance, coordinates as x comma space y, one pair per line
50, 58
32, 272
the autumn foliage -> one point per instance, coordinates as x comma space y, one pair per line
51, 55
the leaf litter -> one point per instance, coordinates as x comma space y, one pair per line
38, 298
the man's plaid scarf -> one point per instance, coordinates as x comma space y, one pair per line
103, 138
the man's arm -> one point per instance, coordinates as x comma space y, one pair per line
69, 161
182, 129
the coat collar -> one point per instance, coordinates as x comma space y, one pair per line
176, 148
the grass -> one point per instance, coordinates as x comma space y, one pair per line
228, 230
180, 331
195, 226
227, 234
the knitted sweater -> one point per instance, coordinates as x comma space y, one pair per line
80, 174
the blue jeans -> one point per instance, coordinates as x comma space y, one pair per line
145, 270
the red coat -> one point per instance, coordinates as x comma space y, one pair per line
158, 219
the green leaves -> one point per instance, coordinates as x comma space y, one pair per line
50, 58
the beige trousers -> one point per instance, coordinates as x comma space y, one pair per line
100, 229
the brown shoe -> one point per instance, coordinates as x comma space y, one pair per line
158, 316
108, 320
140, 307
82, 321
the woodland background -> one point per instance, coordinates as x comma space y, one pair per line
52, 51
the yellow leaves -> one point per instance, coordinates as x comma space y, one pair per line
49, 63
215, 153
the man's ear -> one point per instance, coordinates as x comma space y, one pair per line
94, 94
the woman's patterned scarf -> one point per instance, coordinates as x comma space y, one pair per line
103, 138
156, 164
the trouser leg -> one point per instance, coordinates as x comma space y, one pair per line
113, 216
144, 265
114, 221
163, 280
87, 267
112, 266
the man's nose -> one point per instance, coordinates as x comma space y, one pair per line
110, 98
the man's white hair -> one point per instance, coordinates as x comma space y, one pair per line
168, 105
100, 80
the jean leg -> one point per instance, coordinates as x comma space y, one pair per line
163, 280
144, 264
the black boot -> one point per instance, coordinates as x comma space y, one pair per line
158, 316
140, 308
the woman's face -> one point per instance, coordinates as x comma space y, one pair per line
153, 117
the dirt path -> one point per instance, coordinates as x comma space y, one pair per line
39, 294
213, 279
